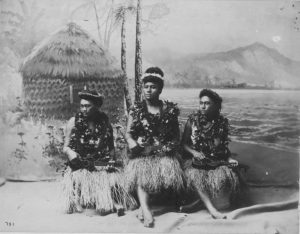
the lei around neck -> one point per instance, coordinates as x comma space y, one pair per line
203, 137
154, 127
91, 143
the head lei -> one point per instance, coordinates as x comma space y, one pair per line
91, 95
155, 75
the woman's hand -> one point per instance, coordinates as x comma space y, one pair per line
112, 154
71, 153
141, 142
166, 149
233, 162
198, 155
76, 164
134, 147
131, 143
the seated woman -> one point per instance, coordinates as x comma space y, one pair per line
153, 138
205, 140
91, 180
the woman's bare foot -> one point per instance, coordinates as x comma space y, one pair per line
217, 215
145, 209
210, 207
140, 215
148, 219
77, 207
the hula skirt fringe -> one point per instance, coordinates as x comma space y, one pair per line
213, 182
154, 174
99, 190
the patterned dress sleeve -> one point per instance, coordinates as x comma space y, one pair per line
172, 132
186, 136
109, 133
175, 127
111, 137
134, 126
221, 150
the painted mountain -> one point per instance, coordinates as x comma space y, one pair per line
255, 65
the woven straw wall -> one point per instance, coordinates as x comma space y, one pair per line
51, 97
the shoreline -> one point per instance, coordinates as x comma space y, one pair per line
237, 88
267, 145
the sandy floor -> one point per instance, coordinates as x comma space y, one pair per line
35, 207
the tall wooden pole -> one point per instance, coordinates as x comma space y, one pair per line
123, 63
138, 53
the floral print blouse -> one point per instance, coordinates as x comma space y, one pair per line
209, 137
92, 144
156, 129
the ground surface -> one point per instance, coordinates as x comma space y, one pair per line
36, 207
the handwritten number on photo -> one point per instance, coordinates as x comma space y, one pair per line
9, 224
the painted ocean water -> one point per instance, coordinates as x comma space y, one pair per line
267, 117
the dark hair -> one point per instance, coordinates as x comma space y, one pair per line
213, 96
91, 95
152, 78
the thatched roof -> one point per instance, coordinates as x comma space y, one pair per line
69, 53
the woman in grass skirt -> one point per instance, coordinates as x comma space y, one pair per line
210, 171
153, 138
92, 179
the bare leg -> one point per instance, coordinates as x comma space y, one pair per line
144, 200
78, 207
211, 209
140, 214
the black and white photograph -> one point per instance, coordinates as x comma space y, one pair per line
149, 116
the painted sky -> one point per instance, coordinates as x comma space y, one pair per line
195, 26
190, 26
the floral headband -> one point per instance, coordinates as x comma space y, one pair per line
92, 96
152, 74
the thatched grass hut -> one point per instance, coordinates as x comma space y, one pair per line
64, 64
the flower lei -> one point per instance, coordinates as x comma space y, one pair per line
155, 129
90, 145
203, 138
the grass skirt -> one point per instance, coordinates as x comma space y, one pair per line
99, 190
213, 182
154, 174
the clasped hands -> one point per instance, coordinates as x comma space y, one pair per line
200, 156
140, 147
77, 163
